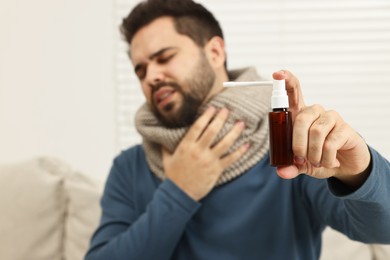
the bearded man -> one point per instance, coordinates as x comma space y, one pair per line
200, 186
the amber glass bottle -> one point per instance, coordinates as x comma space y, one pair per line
280, 127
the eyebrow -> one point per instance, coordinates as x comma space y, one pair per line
154, 55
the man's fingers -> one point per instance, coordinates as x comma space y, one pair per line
301, 128
228, 140
213, 128
234, 156
320, 141
165, 153
293, 88
200, 124
288, 172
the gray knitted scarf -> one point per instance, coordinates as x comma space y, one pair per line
249, 104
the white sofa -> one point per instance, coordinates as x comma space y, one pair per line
48, 211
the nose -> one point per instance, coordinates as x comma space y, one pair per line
154, 74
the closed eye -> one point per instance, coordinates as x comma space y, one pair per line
165, 58
161, 57
140, 71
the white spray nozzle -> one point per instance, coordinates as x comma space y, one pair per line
279, 97
230, 84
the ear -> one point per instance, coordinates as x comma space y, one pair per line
215, 51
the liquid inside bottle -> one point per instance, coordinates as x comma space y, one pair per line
280, 127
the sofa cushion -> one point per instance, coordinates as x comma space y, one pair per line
32, 207
83, 213
48, 211
337, 246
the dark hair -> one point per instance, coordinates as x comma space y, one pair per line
190, 18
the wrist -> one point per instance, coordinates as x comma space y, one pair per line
185, 188
355, 181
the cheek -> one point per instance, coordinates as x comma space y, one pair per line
147, 92
184, 65
181, 73
176, 70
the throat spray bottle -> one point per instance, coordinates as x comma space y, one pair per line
280, 126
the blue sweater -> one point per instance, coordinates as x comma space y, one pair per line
256, 216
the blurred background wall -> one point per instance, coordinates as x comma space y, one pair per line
68, 90
57, 94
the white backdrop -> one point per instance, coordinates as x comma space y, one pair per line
57, 90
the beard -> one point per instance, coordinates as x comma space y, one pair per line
199, 85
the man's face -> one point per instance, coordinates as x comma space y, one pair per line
175, 74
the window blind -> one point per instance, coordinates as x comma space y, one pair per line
340, 51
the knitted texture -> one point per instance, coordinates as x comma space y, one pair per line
248, 104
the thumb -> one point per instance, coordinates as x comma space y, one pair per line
293, 88
166, 154
288, 172
292, 171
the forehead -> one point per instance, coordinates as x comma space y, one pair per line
159, 34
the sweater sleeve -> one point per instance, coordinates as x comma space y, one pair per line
127, 233
362, 215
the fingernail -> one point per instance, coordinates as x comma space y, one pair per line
211, 109
224, 111
336, 164
317, 165
240, 124
299, 160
